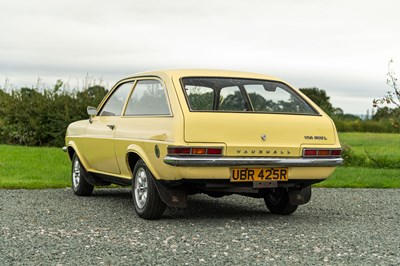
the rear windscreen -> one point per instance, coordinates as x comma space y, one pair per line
243, 95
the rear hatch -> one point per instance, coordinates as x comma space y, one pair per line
252, 116
251, 134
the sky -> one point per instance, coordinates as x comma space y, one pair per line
342, 47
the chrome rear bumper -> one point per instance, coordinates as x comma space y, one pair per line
252, 161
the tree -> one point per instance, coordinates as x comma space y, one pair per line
320, 98
392, 97
34, 117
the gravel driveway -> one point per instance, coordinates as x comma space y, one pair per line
338, 226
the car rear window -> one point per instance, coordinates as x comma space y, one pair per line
243, 95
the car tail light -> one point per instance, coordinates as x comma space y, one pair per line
198, 151
309, 153
322, 153
214, 151
336, 153
210, 151
178, 150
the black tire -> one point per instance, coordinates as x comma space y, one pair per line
78, 177
146, 199
278, 202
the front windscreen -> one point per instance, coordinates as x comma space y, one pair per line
243, 95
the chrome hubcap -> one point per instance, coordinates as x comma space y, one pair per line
76, 173
141, 188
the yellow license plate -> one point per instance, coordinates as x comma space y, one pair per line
259, 174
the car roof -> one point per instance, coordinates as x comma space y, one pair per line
179, 73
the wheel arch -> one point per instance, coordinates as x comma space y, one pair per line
173, 197
73, 149
133, 154
132, 158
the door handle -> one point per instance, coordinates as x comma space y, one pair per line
111, 127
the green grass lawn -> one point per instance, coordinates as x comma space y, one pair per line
33, 167
376, 144
373, 150
43, 167
362, 177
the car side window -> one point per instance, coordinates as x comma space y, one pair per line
115, 103
148, 98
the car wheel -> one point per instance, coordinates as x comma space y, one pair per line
147, 201
278, 202
79, 184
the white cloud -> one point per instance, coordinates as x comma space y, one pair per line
340, 46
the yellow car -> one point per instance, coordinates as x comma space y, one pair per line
173, 133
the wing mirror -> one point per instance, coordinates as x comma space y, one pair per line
92, 111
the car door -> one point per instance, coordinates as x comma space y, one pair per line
99, 143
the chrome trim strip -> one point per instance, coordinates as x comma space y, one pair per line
251, 161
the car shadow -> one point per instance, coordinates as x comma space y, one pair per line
106, 192
199, 206
203, 207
